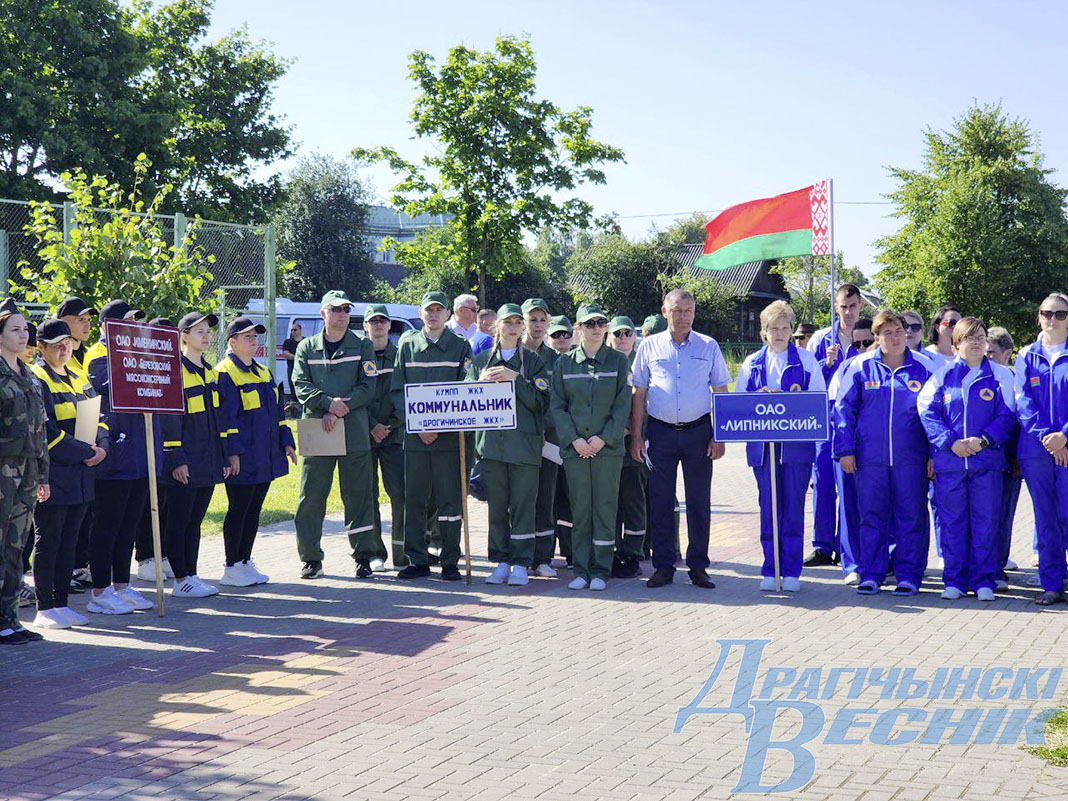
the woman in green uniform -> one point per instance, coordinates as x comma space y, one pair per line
630, 515
511, 459
590, 407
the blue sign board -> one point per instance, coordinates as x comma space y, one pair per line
770, 417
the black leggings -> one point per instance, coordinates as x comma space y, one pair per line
56, 530
117, 511
186, 507
242, 520
143, 548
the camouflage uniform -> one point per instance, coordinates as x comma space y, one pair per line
23, 465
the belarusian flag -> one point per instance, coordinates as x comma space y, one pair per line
794, 224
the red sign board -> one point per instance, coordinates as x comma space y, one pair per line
145, 367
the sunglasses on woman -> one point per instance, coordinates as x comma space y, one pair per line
1050, 314
595, 324
914, 327
623, 333
561, 335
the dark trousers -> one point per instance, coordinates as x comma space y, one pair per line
55, 537
143, 548
117, 512
668, 448
27, 550
389, 459
85, 534
564, 524
242, 521
186, 507
545, 513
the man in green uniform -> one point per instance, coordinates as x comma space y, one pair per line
630, 516
431, 460
334, 377
387, 434
559, 339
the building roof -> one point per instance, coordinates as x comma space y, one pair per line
384, 221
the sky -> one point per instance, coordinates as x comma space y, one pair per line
713, 103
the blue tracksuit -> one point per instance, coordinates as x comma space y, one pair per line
958, 402
1042, 408
794, 371
826, 535
875, 420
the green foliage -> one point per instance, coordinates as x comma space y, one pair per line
1055, 751
983, 225
320, 226
687, 231
504, 160
91, 84
808, 279
118, 251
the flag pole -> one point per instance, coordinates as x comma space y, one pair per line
834, 271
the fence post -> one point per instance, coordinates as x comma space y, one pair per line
3, 262
271, 350
179, 232
68, 221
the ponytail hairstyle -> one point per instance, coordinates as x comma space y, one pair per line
497, 344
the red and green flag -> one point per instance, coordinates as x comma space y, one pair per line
795, 224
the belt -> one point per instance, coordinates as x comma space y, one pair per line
683, 426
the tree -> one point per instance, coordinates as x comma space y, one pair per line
504, 160
90, 85
121, 254
808, 279
983, 225
321, 227
687, 231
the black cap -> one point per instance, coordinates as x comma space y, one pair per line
53, 331
9, 307
31, 331
120, 310
242, 325
73, 306
193, 318
164, 321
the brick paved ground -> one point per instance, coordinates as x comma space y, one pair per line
382, 690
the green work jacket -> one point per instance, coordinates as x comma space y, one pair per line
382, 409
548, 358
521, 445
591, 397
420, 361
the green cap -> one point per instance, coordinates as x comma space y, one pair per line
621, 321
335, 297
375, 310
654, 323
430, 298
509, 310
530, 304
558, 324
590, 311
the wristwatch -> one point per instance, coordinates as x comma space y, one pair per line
984, 442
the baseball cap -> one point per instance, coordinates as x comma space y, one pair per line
240, 325
120, 310
430, 298
73, 306
193, 318
590, 311
621, 321
558, 324
375, 310
53, 331
530, 304
335, 297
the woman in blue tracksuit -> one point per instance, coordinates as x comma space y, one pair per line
1042, 409
195, 455
780, 366
259, 443
878, 435
966, 408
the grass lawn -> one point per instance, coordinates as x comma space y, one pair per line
1055, 751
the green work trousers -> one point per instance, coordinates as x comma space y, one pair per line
630, 517
18, 497
437, 471
545, 513
593, 541
357, 496
389, 459
562, 507
512, 494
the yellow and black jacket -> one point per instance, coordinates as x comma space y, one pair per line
197, 438
257, 430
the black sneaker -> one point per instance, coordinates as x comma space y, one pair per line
363, 569
629, 567
817, 558
451, 573
312, 570
414, 572
14, 638
28, 636
82, 577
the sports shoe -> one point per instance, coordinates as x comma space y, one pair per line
146, 570
414, 572
27, 635
941, 563
598, 584
985, 594
1001, 585
767, 584
108, 603
189, 587
817, 557
74, 618
578, 583
1034, 581
791, 584
851, 579
545, 570
135, 599
51, 619
1034, 560
312, 570
500, 573
236, 576
11, 637
518, 577
27, 595
259, 576
378, 564
627, 567
82, 577
168, 571
211, 588
451, 573
951, 594
1011, 565
363, 569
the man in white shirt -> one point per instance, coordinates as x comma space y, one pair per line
464, 323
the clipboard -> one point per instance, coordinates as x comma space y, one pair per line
552, 453
312, 440
87, 419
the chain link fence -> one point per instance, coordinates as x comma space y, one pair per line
244, 268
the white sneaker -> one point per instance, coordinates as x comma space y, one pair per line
851, 579
168, 571
212, 590
545, 571
500, 573
767, 584
1034, 560
237, 576
985, 594
376, 564
518, 577
1011, 565
951, 594
941, 563
261, 577
74, 618
598, 584
578, 583
146, 570
51, 619
1034, 581
108, 603
190, 588
1000, 585
135, 599
791, 584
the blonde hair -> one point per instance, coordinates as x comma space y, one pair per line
967, 327
1057, 296
885, 317
774, 311
497, 344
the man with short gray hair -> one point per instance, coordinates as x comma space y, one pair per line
464, 323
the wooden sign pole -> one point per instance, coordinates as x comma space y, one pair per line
153, 501
463, 505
